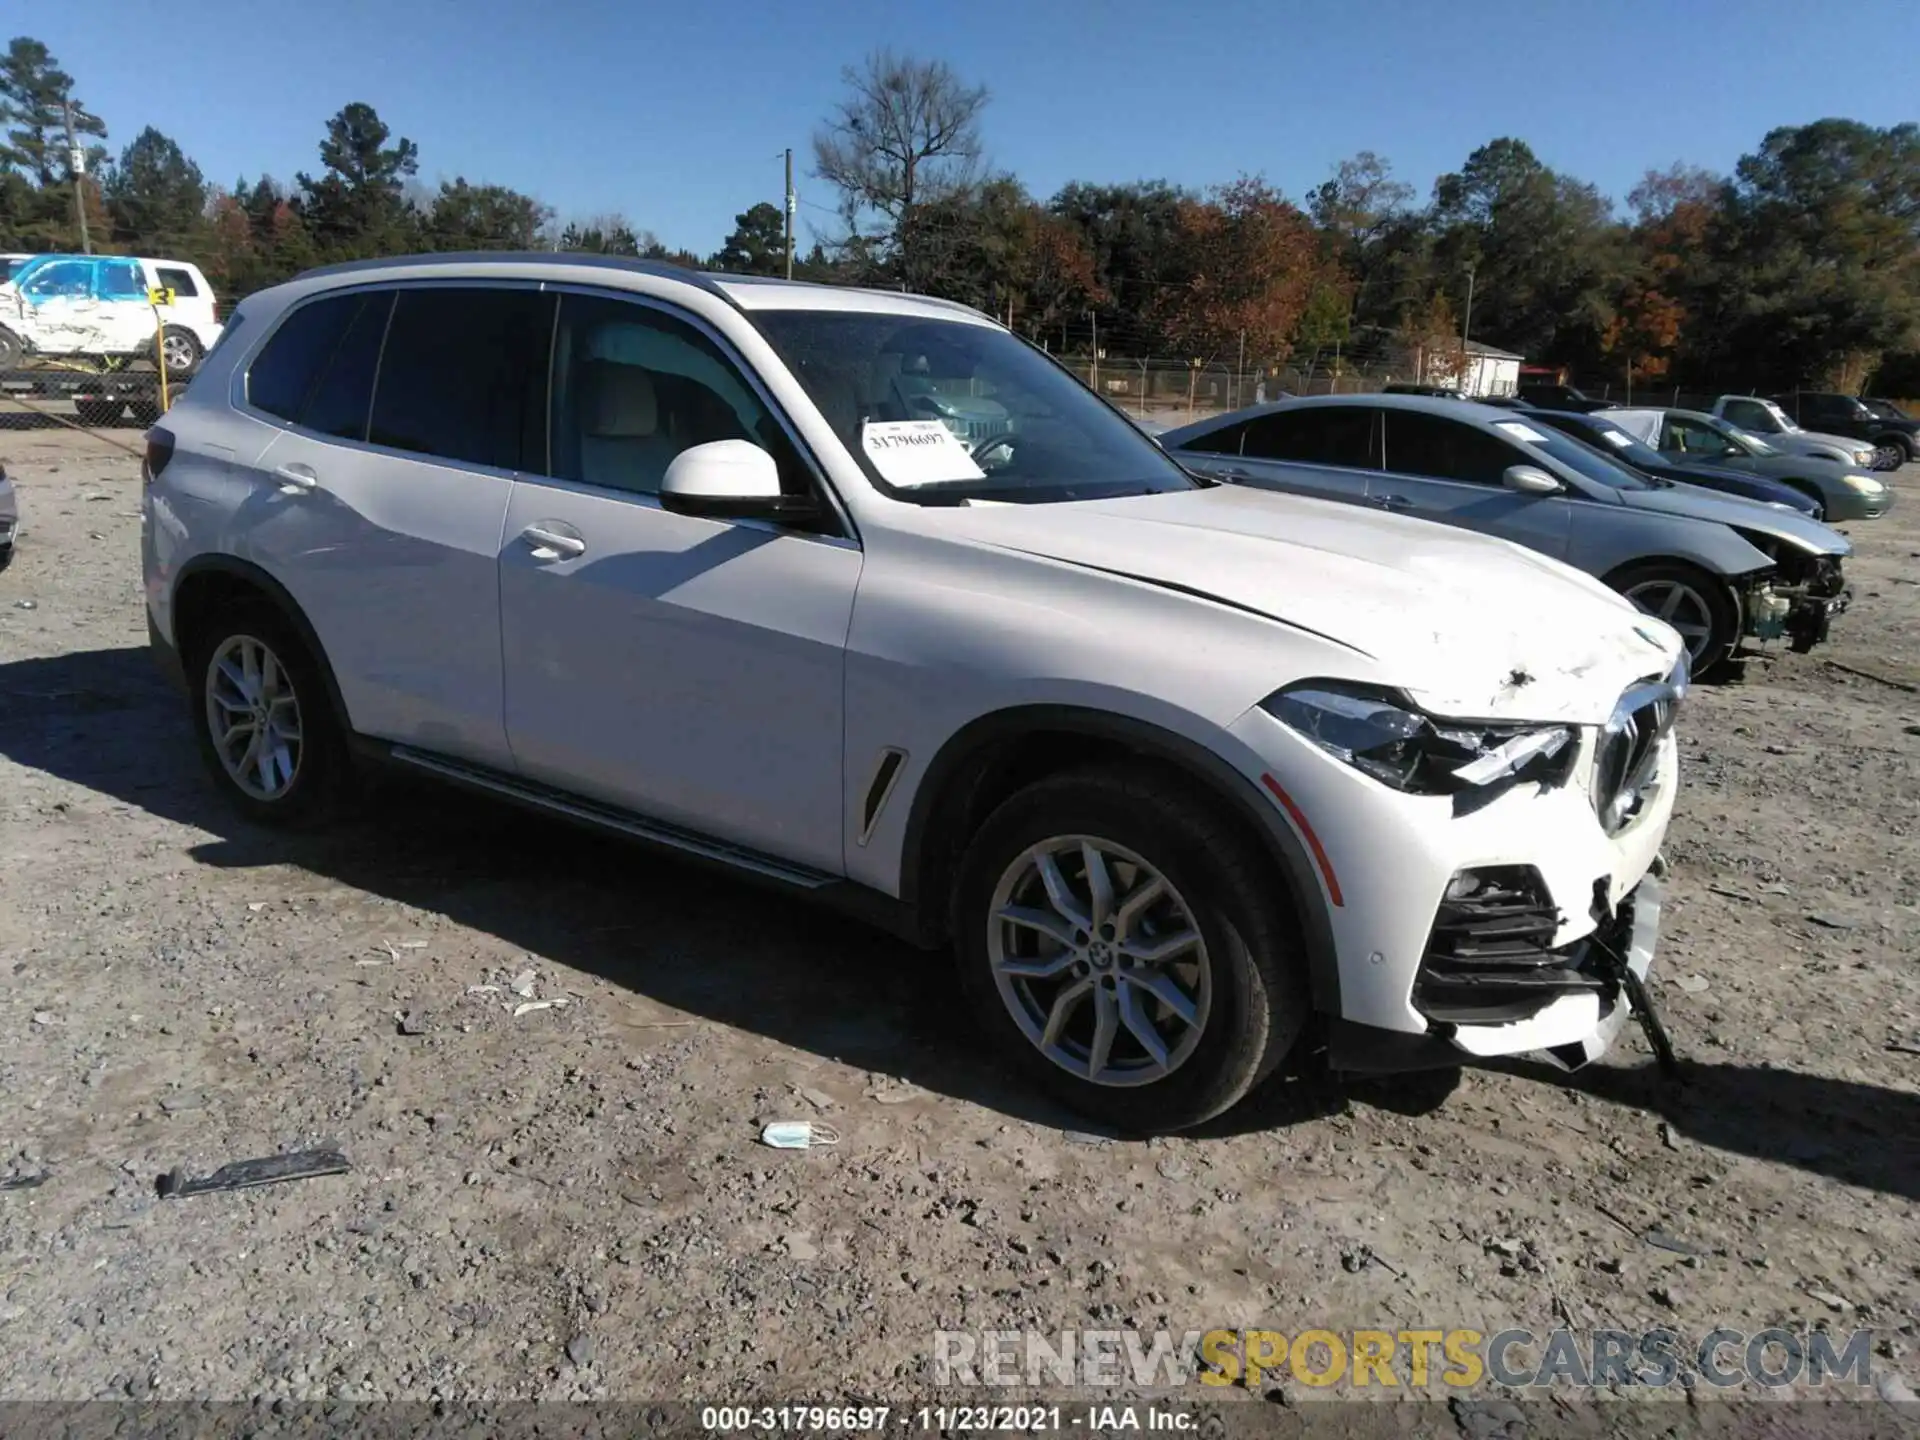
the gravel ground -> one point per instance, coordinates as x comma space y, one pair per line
570, 1202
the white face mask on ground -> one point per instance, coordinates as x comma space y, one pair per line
799, 1135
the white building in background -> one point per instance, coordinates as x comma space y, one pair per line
1490, 371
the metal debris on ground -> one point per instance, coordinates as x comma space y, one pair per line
245, 1174
1661, 1240
527, 1007
522, 984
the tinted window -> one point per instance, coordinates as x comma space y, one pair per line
122, 280
464, 374
1330, 435
341, 395
178, 281
1225, 441
287, 368
1445, 449
634, 386
1750, 415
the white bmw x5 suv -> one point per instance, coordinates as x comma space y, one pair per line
860, 594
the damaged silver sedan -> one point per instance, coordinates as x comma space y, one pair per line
1717, 568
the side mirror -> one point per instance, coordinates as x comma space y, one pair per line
1530, 480
730, 480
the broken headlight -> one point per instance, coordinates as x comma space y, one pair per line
1388, 737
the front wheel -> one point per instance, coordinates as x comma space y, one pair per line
1123, 947
261, 713
1691, 601
12, 350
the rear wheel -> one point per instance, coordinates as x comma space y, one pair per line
12, 351
179, 351
261, 712
1691, 601
97, 412
1124, 949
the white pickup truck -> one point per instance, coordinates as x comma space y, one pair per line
1773, 425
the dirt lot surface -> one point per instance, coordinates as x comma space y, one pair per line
571, 1202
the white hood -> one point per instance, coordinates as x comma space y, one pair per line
1470, 626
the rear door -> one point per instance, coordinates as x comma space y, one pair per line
126, 317
1323, 450
1444, 470
381, 511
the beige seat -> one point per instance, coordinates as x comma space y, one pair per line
622, 445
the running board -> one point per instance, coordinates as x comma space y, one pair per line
606, 817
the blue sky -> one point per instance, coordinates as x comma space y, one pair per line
676, 114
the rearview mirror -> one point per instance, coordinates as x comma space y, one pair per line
730, 480
1530, 480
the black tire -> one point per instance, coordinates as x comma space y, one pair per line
96, 412
12, 352
1723, 616
322, 767
1251, 947
1900, 445
6, 555
180, 349
144, 412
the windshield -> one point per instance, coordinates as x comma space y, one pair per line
1618, 443
939, 411
1576, 455
1743, 440
1887, 410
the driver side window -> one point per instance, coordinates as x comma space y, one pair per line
1749, 415
634, 386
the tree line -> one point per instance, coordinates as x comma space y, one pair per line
1801, 267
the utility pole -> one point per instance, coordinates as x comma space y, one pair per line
1466, 324
1094, 315
790, 205
76, 168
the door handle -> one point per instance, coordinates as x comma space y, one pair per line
1390, 502
1232, 472
551, 540
296, 479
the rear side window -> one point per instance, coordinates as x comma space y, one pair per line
464, 376
177, 280
121, 280
317, 369
1749, 415
1333, 435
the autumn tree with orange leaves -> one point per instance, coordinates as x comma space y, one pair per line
1249, 264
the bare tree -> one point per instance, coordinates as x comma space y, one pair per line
906, 134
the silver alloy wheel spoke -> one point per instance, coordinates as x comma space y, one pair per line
1161, 948
253, 717
1680, 606
1064, 900
1099, 960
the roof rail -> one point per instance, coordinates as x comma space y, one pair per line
657, 268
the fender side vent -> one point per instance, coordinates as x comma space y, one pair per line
879, 789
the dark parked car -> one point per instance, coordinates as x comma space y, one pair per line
1561, 397
1433, 392
1896, 435
1610, 439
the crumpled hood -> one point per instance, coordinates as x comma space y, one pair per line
1701, 504
1470, 626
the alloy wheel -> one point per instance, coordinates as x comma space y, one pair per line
177, 351
1682, 607
1099, 960
253, 716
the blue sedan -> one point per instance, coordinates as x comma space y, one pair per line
1610, 439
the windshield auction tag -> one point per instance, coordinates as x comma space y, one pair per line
1520, 432
917, 452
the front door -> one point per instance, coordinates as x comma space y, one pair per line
1440, 469
690, 670
62, 314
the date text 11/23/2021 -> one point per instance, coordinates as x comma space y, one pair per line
944, 1419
